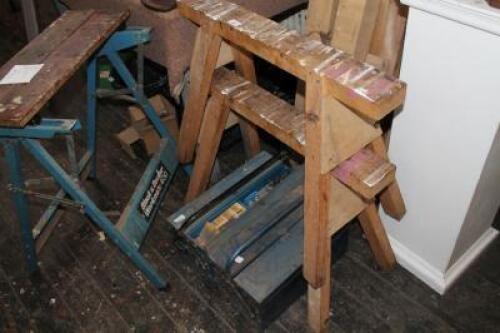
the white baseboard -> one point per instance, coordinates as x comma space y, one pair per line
459, 267
434, 278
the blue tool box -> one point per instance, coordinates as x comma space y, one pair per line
249, 229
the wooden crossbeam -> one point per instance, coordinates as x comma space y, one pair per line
205, 54
261, 108
358, 85
366, 173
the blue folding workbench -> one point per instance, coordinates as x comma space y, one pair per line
80, 37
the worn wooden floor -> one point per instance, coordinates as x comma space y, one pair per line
86, 284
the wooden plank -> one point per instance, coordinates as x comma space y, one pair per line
381, 94
343, 133
206, 51
317, 192
245, 67
24, 102
14, 317
46, 42
103, 263
365, 173
344, 206
388, 36
39, 49
318, 299
351, 23
300, 101
377, 294
391, 198
183, 302
358, 85
93, 311
354, 26
262, 108
225, 55
215, 118
33, 291
377, 238
321, 16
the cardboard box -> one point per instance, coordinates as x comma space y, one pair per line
127, 138
150, 136
159, 103
142, 130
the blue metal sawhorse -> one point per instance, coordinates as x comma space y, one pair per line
145, 202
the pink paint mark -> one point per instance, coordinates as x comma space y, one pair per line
349, 166
342, 65
380, 88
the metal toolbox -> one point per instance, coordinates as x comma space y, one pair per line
248, 230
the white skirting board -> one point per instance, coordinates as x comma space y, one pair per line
431, 276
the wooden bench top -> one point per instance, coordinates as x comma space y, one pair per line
62, 48
358, 85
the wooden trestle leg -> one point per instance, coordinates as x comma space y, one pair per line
206, 51
318, 305
316, 191
243, 61
377, 238
390, 198
215, 119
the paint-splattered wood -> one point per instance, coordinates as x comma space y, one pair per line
365, 173
261, 108
63, 47
358, 85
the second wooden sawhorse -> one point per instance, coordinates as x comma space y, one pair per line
75, 38
346, 166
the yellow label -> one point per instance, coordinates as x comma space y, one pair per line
233, 212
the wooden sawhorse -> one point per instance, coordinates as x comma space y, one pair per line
346, 165
73, 39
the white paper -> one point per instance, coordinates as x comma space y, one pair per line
239, 259
21, 74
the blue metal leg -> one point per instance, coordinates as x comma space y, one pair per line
129, 80
69, 186
21, 203
91, 113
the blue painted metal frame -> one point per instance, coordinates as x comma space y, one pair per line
21, 203
134, 225
75, 192
145, 203
48, 128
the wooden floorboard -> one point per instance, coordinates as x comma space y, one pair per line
37, 294
14, 317
467, 306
